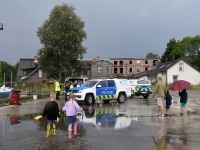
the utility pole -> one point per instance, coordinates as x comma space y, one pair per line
4, 78
1, 26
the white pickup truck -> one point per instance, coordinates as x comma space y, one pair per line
103, 89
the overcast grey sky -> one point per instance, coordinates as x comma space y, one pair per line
115, 28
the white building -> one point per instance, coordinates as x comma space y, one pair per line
172, 71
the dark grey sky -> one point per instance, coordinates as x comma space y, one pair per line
115, 28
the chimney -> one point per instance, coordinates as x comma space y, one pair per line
94, 60
35, 59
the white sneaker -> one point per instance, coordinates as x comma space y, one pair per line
157, 114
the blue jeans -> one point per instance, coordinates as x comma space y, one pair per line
52, 121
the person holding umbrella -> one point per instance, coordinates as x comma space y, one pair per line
181, 85
183, 100
160, 90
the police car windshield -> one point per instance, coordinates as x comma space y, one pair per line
89, 83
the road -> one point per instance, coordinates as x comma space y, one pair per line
131, 125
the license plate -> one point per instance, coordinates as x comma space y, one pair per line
143, 92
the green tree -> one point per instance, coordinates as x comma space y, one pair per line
187, 49
191, 49
168, 55
190, 46
151, 55
6, 72
62, 36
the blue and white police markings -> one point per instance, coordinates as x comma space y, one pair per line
106, 95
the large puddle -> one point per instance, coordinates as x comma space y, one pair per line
107, 127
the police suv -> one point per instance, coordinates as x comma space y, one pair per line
141, 88
103, 89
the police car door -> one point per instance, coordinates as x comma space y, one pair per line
101, 90
111, 89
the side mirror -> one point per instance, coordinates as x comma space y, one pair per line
99, 86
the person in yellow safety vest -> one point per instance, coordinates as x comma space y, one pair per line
71, 85
57, 89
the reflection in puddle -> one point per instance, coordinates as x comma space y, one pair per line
165, 142
14, 120
171, 134
107, 117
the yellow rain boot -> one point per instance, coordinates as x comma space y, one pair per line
54, 131
48, 130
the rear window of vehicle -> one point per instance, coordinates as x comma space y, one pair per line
111, 83
143, 82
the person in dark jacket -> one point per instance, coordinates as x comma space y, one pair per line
67, 85
51, 112
168, 99
183, 101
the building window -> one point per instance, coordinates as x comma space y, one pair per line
24, 72
115, 70
181, 67
115, 62
121, 62
99, 69
130, 70
146, 61
121, 70
146, 69
138, 69
175, 78
155, 62
130, 62
138, 62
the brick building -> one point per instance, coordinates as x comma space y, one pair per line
131, 66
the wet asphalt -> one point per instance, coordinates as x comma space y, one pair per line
113, 126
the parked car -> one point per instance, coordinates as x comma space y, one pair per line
141, 87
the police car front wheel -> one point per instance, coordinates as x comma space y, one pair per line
121, 97
89, 99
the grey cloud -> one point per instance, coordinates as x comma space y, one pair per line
115, 28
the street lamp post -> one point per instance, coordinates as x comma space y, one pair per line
11, 79
1, 26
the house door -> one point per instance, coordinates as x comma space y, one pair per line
175, 78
